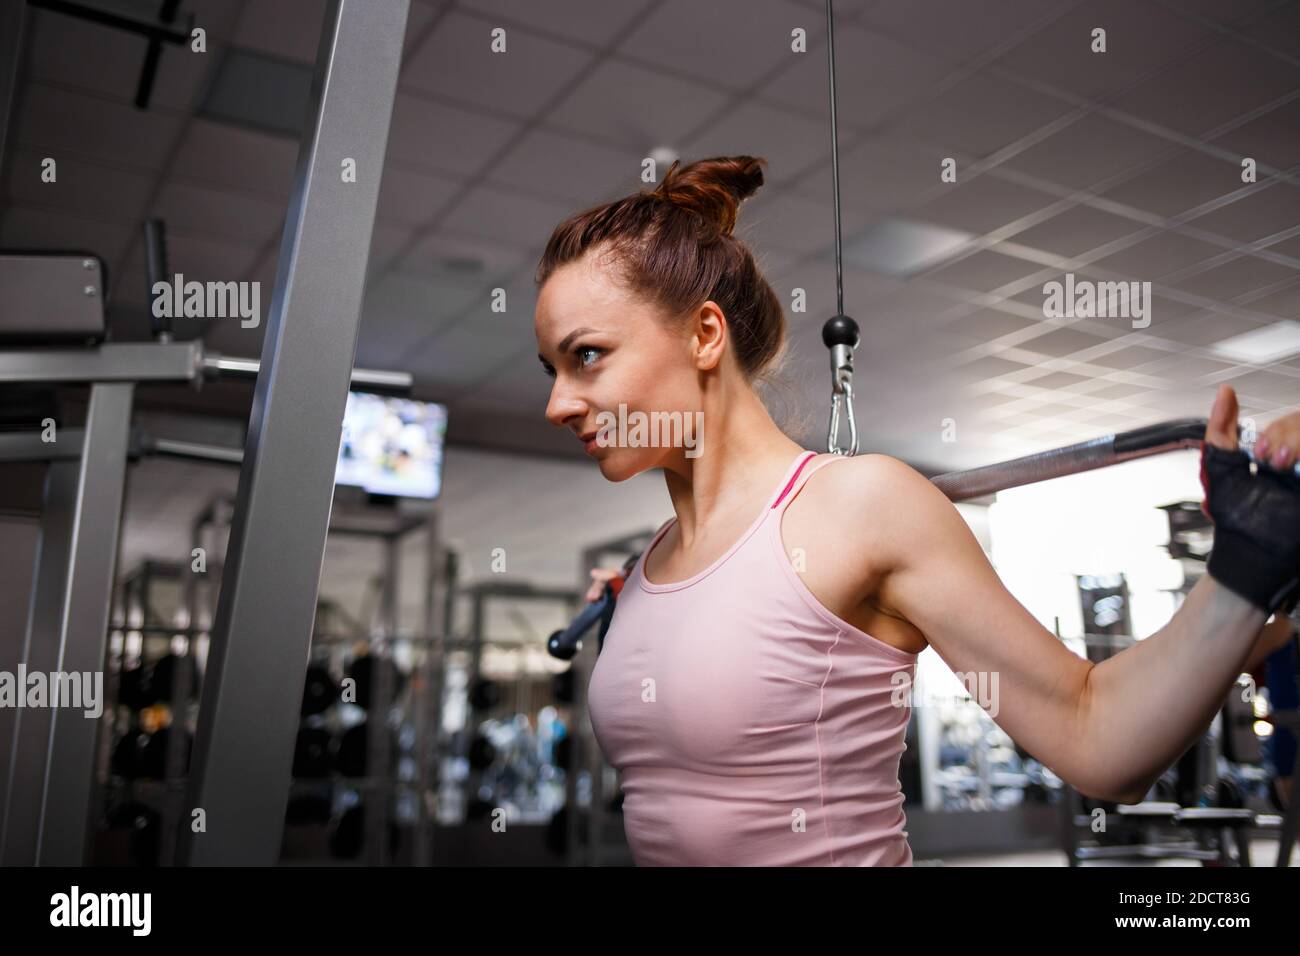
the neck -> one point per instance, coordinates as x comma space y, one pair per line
743, 455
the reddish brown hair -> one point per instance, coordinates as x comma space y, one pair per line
674, 245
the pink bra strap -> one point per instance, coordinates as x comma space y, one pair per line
793, 478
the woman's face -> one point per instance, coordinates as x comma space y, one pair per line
607, 347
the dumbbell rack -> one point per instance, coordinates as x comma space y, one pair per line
480, 597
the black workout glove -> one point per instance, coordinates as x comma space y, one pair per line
1256, 528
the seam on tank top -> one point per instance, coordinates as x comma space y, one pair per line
821, 765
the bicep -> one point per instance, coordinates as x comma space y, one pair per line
937, 576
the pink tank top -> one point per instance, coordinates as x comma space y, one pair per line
752, 726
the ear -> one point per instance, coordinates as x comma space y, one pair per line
709, 333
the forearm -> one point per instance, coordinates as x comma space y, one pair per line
1141, 709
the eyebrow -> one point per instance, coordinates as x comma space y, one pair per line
568, 340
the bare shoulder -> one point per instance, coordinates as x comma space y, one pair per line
863, 478
884, 502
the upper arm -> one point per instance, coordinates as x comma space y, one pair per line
929, 568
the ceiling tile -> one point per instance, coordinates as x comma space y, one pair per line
682, 36
205, 260
1265, 387
800, 81
982, 204
1128, 357
1061, 342
786, 221
1274, 28
985, 367
108, 192
107, 62
1284, 302
56, 122
965, 30
1210, 328
981, 272
987, 324
386, 242
1219, 12
411, 198
1161, 254
1235, 278
1075, 231
1287, 247
635, 107
205, 212
218, 154
27, 227
1139, 36
788, 141
505, 217
460, 354
443, 138
1117, 391
591, 21
978, 116
442, 255
401, 312
1260, 213
556, 165
1192, 98
290, 29
1176, 185
457, 62
875, 78
1195, 370
1087, 152
1058, 381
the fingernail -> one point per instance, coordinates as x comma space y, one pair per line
1282, 456
1261, 448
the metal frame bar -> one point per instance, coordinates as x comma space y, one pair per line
28, 446
12, 33
1073, 459
50, 785
155, 30
24, 777
155, 362
262, 633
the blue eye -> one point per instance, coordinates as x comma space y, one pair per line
581, 349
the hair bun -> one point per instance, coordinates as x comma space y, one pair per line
713, 188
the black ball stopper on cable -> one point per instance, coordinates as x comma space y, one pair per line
840, 330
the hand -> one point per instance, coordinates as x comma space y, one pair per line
1255, 510
599, 576
1277, 446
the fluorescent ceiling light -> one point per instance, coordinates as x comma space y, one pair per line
900, 247
1259, 346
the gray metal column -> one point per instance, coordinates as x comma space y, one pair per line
380, 792
427, 702
30, 729
262, 633
82, 628
12, 17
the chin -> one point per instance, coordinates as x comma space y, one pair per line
620, 464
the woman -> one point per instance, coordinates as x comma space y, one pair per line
753, 685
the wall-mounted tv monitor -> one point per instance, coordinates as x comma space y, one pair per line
392, 446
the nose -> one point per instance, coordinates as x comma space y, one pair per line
563, 407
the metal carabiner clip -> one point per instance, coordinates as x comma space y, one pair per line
840, 335
843, 396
